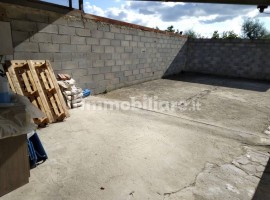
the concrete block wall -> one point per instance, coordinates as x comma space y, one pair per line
98, 55
233, 58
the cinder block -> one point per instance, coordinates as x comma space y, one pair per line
80, 72
47, 28
116, 43
133, 44
104, 42
119, 49
15, 13
128, 49
115, 81
103, 27
97, 34
17, 25
128, 73
58, 19
70, 65
119, 36
77, 40
68, 48
76, 23
46, 47
109, 35
105, 69
41, 37
91, 41
128, 62
93, 70
19, 37
98, 63
32, 56
27, 47
98, 77
128, 37
40, 17
56, 65
83, 32
115, 29
116, 68
106, 56
109, 49
84, 48
109, 75
98, 49
119, 62
109, 63
85, 79
61, 39
62, 57
83, 63
66, 30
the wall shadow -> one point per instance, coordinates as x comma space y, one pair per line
263, 189
222, 81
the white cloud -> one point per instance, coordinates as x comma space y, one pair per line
202, 18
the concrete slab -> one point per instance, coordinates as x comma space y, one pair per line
147, 154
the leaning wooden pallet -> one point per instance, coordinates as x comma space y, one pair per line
35, 80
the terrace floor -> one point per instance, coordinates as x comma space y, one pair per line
195, 137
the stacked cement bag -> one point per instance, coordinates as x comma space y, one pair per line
72, 94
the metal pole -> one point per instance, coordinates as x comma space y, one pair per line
70, 4
81, 5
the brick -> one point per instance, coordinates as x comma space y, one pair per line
104, 42
109, 62
98, 77
27, 47
83, 32
77, 40
68, 48
98, 49
97, 34
47, 28
76, 23
66, 30
84, 48
109, 35
41, 37
61, 39
109, 49
94, 41
69, 65
45, 47
17, 25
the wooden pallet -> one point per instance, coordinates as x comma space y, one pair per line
36, 80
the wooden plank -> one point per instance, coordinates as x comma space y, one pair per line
26, 82
58, 91
14, 163
10, 82
43, 98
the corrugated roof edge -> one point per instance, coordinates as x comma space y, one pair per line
126, 24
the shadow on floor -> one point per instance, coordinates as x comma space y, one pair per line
263, 189
238, 83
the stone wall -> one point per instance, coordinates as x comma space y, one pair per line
100, 56
234, 58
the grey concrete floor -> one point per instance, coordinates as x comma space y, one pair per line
217, 152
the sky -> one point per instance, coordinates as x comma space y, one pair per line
202, 18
